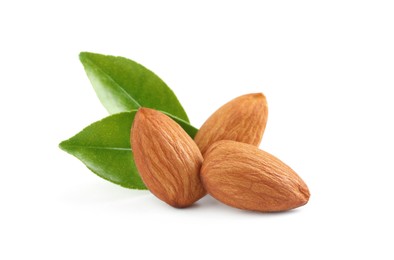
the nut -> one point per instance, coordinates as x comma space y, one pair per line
243, 119
167, 159
242, 176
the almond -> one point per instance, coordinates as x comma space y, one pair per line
242, 176
167, 159
243, 119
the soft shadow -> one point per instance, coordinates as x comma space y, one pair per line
107, 193
208, 203
204, 203
269, 214
102, 193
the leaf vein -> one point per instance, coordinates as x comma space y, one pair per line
100, 147
115, 82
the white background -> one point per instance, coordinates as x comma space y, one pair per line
326, 67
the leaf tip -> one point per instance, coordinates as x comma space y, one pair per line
83, 56
63, 145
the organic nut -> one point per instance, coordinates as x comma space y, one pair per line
167, 159
243, 119
242, 176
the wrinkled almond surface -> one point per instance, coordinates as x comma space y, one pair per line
242, 176
167, 159
243, 119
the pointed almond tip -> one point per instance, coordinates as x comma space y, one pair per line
304, 195
149, 115
255, 95
143, 111
259, 97
150, 112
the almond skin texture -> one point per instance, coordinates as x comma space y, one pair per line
242, 176
167, 159
243, 119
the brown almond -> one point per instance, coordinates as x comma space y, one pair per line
243, 119
242, 176
167, 159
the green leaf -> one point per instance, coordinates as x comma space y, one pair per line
189, 129
104, 147
123, 85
